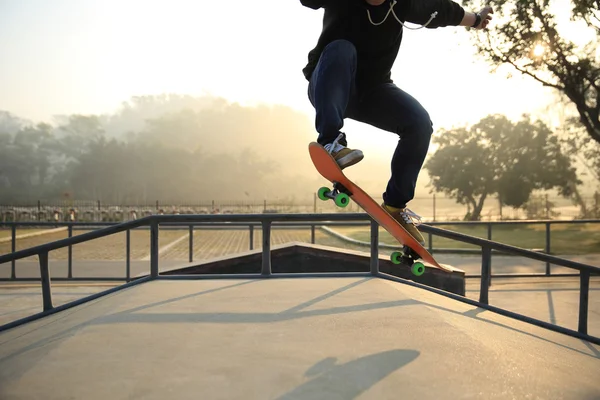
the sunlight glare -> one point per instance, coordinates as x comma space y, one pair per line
539, 50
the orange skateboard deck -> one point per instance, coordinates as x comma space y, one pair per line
330, 170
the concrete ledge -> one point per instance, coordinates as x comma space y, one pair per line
297, 257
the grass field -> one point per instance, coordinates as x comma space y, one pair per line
564, 238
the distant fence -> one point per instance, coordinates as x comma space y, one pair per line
432, 209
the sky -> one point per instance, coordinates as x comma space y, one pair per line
88, 56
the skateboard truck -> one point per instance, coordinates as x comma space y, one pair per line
408, 256
340, 195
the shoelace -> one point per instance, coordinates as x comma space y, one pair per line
408, 216
335, 146
391, 10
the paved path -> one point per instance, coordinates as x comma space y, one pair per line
353, 338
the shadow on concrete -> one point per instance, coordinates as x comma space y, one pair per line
551, 307
349, 380
325, 296
592, 348
188, 296
45, 341
243, 318
474, 315
236, 318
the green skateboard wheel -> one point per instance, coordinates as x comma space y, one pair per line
322, 193
342, 199
418, 268
396, 257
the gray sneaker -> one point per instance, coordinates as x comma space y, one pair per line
344, 156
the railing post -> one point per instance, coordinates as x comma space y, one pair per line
486, 262
266, 248
70, 262
45, 280
251, 227
312, 234
548, 271
374, 247
128, 256
13, 266
191, 244
584, 291
154, 249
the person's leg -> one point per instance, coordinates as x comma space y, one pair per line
331, 91
389, 108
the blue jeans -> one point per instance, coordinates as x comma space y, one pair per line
333, 92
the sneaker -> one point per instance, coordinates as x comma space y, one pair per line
405, 217
344, 156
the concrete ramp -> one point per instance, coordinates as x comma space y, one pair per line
309, 338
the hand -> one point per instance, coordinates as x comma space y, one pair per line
485, 17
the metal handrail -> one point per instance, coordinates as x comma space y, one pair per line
266, 221
436, 223
181, 219
505, 248
300, 219
58, 244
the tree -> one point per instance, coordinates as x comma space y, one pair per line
182, 148
530, 36
10, 124
25, 164
587, 152
496, 156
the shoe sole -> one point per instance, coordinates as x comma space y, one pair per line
350, 159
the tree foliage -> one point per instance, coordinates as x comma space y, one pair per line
208, 150
497, 156
535, 38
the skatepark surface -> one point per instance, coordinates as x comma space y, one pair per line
297, 338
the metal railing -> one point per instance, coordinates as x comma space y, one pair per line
213, 223
489, 227
266, 221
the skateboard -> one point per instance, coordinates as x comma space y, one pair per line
413, 253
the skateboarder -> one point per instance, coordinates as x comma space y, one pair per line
349, 77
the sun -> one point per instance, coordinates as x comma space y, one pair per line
539, 50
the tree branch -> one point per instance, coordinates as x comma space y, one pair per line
552, 34
587, 122
588, 20
524, 71
498, 54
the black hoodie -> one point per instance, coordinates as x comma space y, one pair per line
377, 45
